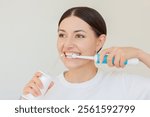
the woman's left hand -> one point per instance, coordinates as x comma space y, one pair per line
120, 55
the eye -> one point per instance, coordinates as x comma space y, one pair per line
79, 36
61, 35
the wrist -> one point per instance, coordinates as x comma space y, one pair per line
140, 53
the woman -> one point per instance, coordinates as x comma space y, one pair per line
82, 31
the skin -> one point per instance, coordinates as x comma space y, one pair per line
76, 36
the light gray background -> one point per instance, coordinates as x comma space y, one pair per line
28, 34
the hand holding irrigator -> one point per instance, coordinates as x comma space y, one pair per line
45, 80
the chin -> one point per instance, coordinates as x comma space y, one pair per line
72, 66
76, 64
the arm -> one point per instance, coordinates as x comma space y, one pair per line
144, 57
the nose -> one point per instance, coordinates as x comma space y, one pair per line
69, 44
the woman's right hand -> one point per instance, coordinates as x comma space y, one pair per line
34, 85
122, 54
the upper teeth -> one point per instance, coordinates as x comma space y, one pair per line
70, 54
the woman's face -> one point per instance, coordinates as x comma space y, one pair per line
75, 36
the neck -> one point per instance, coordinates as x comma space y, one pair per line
81, 74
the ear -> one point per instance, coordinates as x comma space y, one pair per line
100, 42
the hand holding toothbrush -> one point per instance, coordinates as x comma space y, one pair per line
119, 55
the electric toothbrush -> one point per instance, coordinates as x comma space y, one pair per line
96, 58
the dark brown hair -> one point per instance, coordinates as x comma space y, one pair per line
90, 16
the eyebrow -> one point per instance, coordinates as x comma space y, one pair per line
79, 31
61, 30
74, 31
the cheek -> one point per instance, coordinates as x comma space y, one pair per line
89, 48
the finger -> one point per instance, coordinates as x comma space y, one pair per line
38, 74
34, 87
110, 60
38, 82
102, 57
33, 92
117, 60
122, 61
28, 90
103, 53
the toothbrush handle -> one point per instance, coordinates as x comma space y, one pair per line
132, 61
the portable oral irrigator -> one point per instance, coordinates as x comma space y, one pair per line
45, 79
96, 58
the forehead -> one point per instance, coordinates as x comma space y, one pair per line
74, 23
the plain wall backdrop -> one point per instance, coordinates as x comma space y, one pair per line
28, 35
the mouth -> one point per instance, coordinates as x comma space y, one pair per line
70, 54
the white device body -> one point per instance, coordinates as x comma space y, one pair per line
46, 80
